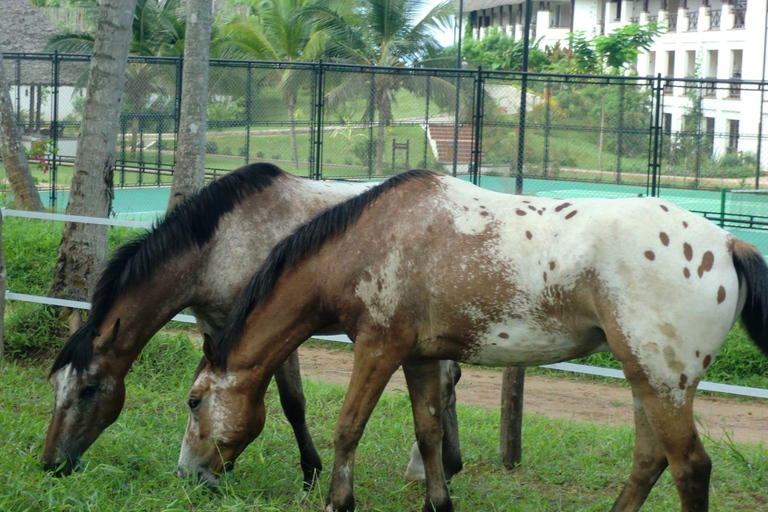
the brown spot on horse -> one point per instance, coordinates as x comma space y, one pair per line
707, 361
688, 251
706, 263
664, 208
685, 225
650, 255
484, 214
532, 208
664, 238
560, 207
528, 235
551, 265
520, 212
545, 277
683, 380
720, 295
570, 215
686, 272
503, 335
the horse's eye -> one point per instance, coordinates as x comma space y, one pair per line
193, 403
89, 390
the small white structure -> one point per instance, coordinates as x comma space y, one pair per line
723, 39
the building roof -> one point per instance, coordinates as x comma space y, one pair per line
25, 28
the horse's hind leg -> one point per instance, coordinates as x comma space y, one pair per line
426, 386
673, 425
288, 378
370, 373
648, 463
451, 448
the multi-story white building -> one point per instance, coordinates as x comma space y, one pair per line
723, 39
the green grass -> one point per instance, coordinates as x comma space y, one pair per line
567, 466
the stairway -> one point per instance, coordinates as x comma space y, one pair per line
442, 142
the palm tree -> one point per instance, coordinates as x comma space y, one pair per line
157, 29
279, 30
384, 33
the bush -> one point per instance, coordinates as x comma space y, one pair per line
211, 147
362, 150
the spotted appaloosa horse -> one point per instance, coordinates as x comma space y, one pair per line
425, 268
200, 256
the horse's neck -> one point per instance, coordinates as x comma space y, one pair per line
276, 328
145, 309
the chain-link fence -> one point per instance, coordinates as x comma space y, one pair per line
698, 143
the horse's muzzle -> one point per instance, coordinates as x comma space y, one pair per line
59, 467
203, 476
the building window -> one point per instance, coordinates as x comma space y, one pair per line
733, 136
668, 124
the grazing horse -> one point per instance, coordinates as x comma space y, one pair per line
424, 268
200, 257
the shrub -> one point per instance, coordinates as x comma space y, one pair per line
211, 147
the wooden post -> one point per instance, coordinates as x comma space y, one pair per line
2, 289
512, 416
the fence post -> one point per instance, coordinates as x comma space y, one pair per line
18, 93
426, 122
510, 443
547, 121
55, 126
620, 132
478, 127
177, 108
760, 132
456, 124
722, 207
371, 120
248, 100
3, 282
656, 136
319, 119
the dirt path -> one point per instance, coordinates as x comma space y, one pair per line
560, 398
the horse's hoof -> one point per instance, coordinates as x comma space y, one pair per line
347, 506
443, 506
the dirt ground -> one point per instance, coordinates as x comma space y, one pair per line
561, 398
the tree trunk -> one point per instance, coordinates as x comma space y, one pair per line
292, 129
14, 158
385, 115
83, 247
189, 175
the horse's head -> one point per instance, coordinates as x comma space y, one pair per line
225, 415
87, 401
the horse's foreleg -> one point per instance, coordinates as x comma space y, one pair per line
648, 463
288, 378
426, 386
370, 374
451, 449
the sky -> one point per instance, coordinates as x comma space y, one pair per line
446, 36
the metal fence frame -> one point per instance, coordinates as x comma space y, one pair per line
471, 103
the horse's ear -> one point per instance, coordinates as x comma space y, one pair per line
103, 342
209, 350
75, 321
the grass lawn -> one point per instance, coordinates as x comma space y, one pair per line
567, 466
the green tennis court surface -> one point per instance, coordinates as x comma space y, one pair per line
148, 203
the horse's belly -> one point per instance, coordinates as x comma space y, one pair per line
526, 346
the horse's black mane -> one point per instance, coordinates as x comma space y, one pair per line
306, 240
191, 224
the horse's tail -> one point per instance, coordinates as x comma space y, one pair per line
753, 272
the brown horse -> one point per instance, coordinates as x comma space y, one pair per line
425, 268
200, 256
